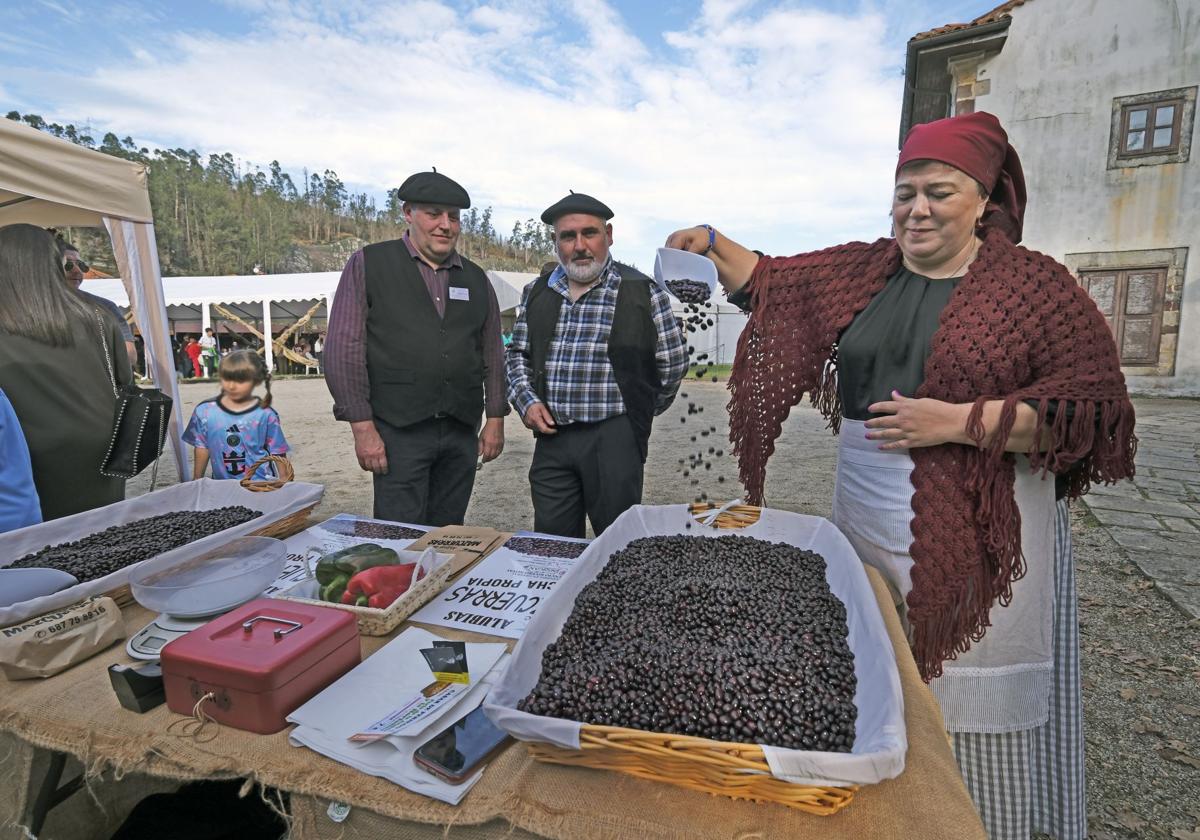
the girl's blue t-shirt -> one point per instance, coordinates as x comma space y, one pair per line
236, 439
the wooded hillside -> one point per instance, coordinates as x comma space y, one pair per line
217, 215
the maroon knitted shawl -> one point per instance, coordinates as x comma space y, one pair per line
1017, 327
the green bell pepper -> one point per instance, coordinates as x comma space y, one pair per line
334, 570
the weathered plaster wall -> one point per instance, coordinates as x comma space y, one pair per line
1052, 86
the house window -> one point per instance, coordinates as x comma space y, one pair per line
1131, 301
1152, 128
1149, 129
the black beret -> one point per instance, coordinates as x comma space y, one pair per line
576, 203
433, 188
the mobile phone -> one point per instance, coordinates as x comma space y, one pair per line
457, 751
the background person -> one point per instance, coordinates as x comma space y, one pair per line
19, 505
966, 367
192, 350
53, 371
596, 354
235, 428
414, 358
208, 352
73, 269
318, 351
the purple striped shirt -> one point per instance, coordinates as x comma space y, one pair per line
346, 348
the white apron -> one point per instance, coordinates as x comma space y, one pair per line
1002, 684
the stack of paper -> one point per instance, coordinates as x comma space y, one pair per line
375, 690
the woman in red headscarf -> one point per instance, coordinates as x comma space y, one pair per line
963, 372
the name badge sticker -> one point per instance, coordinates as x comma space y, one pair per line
460, 293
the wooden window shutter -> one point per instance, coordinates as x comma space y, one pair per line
1144, 292
1131, 301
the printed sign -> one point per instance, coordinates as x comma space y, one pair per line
501, 594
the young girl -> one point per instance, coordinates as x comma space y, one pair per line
235, 429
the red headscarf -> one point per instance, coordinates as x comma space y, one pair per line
977, 145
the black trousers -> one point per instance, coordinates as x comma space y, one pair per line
591, 469
431, 471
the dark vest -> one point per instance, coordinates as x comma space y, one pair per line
631, 345
420, 365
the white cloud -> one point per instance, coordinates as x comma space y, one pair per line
779, 127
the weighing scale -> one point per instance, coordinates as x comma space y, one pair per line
147, 642
192, 592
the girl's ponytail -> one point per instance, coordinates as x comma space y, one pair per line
265, 402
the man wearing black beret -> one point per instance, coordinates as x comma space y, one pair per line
596, 354
413, 358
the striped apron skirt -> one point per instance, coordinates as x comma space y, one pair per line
1012, 702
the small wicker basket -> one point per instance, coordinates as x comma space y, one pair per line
739, 771
376, 622
283, 474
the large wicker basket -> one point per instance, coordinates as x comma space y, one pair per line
739, 771
280, 529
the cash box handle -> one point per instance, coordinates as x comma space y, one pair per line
248, 626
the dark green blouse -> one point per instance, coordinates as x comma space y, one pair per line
887, 343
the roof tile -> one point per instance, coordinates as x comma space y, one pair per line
1002, 11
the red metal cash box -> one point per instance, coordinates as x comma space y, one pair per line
261, 661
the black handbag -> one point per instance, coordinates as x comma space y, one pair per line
140, 420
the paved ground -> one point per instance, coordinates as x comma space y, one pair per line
1133, 550
1156, 516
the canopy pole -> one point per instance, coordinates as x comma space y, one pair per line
137, 259
205, 317
268, 343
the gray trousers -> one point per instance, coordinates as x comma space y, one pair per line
585, 469
431, 471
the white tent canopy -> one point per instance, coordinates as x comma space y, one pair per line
267, 291
256, 288
250, 288
51, 182
509, 285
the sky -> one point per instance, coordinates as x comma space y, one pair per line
775, 122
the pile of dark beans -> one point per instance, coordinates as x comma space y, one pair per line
689, 291
729, 638
545, 548
375, 530
107, 551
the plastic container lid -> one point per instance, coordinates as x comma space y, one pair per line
17, 585
214, 582
673, 264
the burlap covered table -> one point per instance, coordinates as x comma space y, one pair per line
76, 712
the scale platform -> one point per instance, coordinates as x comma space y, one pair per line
147, 642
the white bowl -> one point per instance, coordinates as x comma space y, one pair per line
673, 264
214, 582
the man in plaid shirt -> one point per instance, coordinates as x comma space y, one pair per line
596, 354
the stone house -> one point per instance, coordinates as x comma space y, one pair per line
1099, 99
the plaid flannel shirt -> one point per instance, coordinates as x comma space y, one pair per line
580, 384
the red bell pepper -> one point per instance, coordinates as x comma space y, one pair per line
379, 586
